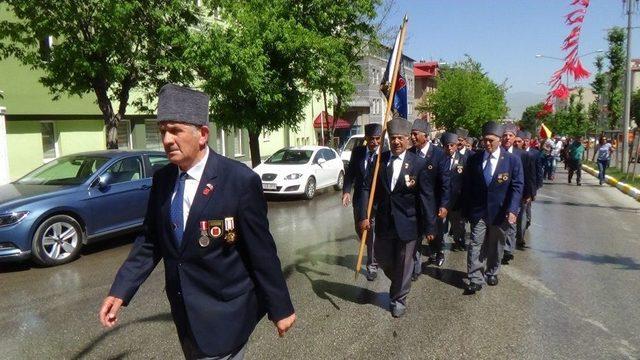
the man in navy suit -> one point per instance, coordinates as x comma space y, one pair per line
463, 143
492, 192
405, 211
207, 220
455, 164
532, 179
508, 144
361, 163
438, 180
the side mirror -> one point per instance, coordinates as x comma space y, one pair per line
321, 161
104, 180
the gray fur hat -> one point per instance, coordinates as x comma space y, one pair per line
181, 104
421, 125
398, 126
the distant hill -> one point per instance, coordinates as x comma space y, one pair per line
520, 100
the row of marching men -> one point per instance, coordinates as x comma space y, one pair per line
424, 192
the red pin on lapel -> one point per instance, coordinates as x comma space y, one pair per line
208, 190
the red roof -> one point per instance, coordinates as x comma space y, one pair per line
328, 122
425, 69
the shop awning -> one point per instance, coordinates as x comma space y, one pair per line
328, 122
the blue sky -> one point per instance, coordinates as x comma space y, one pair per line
505, 35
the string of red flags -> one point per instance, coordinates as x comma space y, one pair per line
572, 65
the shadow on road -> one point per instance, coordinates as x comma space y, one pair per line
624, 262
95, 342
451, 277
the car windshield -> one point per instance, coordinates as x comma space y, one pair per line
290, 156
68, 170
353, 142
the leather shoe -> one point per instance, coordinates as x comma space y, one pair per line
439, 259
415, 276
372, 275
398, 312
492, 280
472, 288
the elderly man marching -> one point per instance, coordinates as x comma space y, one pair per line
438, 180
531, 175
455, 163
405, 206
360, 165
508, 144
492, 192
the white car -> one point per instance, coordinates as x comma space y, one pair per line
301, 171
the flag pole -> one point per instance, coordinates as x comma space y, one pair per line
390, 96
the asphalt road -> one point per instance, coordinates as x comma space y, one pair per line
573, 294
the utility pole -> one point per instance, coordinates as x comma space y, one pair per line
627, 93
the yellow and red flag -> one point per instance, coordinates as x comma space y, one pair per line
545, 133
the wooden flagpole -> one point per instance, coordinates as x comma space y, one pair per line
394, 78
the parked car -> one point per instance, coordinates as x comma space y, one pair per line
301, 171
49, 214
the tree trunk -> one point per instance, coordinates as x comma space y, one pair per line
254, 147
111, 119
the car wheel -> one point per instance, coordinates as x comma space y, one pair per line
57, 241
310, 189
340, 182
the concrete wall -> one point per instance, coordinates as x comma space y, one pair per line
4, 156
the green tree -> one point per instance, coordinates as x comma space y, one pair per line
616, 55
635, 107
465, 97
600, 90
108, 48
261, 63
530, 118
572, 120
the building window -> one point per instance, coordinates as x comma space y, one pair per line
124, 134
45, 46
152, 138
49, 141
220, 142
237, 146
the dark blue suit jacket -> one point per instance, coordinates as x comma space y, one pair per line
503, 195
456, 180
221, 291
356, 175
437, 173
529, 173
405, 212
539, 161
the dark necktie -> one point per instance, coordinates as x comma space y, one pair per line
370, 160
176, 214
390, 171
488, 168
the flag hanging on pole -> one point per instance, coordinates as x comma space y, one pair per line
399, 106
545, 133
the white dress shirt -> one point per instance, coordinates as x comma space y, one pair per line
397, 167
510, 149
424, 150
494, 160
463, 150
366, 156
191, 185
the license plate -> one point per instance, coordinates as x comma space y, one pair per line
268, 186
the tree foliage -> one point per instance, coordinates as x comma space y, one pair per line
261, 64
531, 118
635, 107
465, 97
616, 55
108, 48
572, 120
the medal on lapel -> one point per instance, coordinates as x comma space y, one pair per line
408, 181
229, 228
215, 228
208, 190
204, 236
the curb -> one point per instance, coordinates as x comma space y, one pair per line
625, 188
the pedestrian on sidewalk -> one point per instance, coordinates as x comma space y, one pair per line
547, 151
604, 157
575, 152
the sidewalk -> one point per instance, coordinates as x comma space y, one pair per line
625, 188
